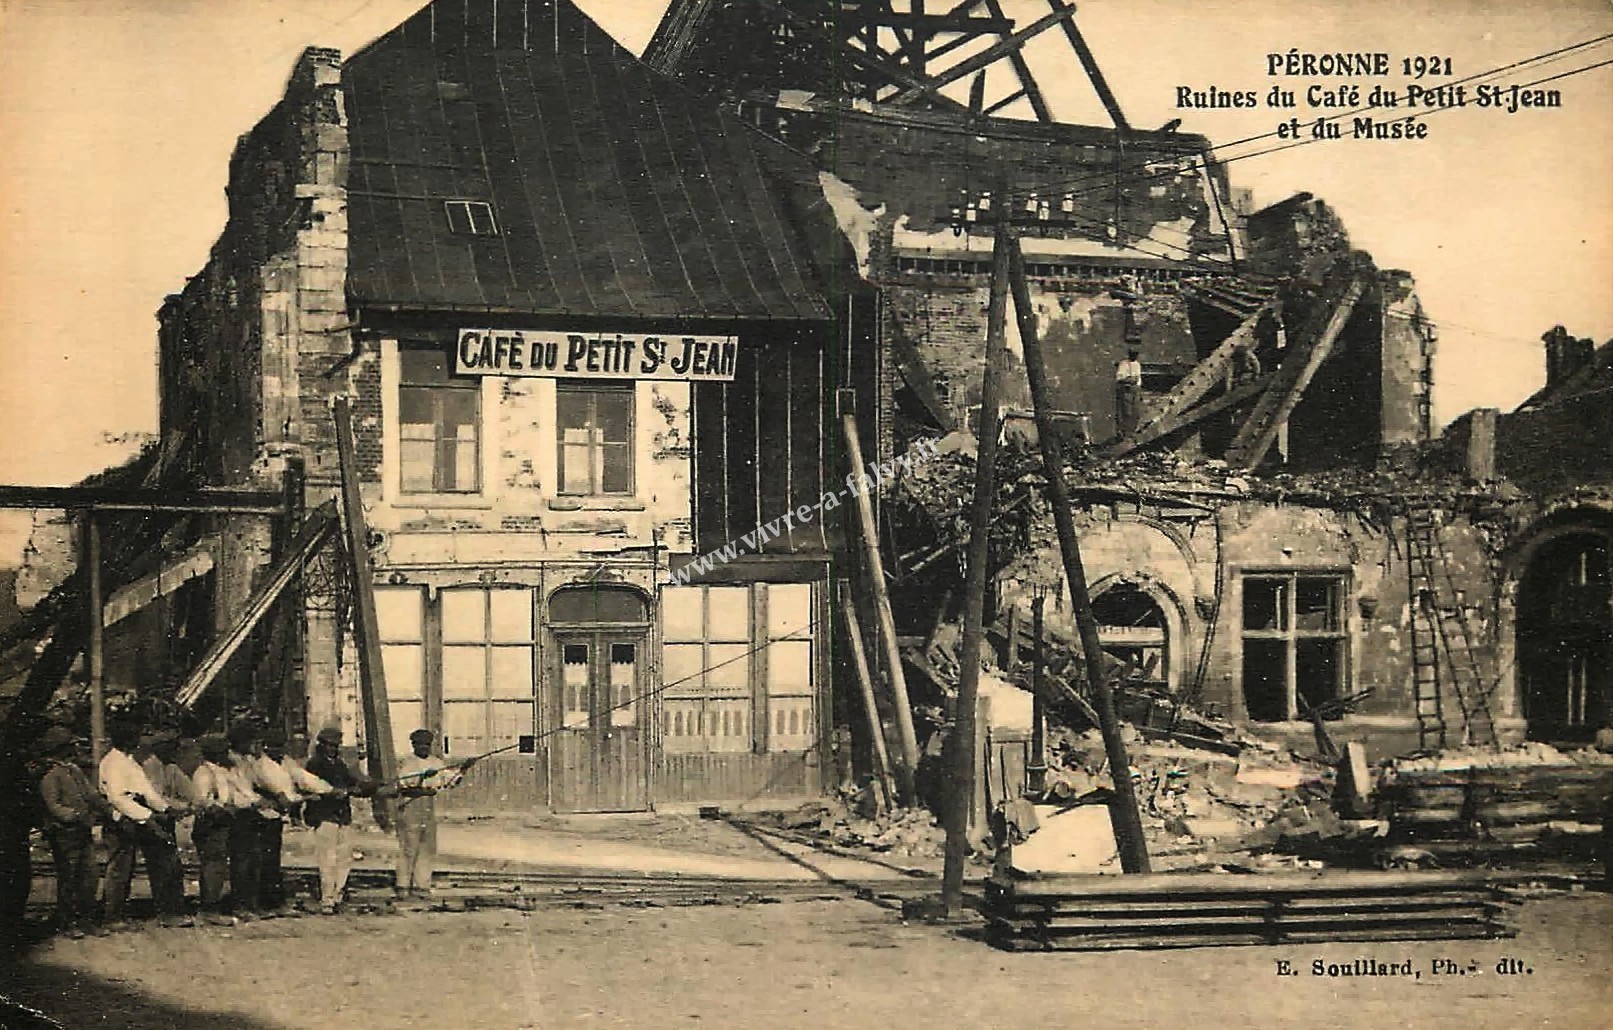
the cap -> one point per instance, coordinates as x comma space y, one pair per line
243, 733
55, 738
214, 746
425, 735
330, 735
274, 738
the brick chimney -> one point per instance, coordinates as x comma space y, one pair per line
1565, 355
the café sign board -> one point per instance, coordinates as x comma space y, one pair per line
561, 355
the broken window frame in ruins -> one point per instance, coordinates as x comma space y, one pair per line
1302, 619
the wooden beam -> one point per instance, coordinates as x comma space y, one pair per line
1254, 438
1004, 102
117, 498
319, 529
874, 61
196, 560
865, 684
1129, 840
1089, 63
1022, 69
382, 759
875, 568
855, 18
988, 56
1191, 417
1193, 387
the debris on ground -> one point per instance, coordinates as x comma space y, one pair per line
850, 818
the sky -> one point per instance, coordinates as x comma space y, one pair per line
119, 117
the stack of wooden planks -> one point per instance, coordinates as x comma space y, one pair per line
1186, 910
1502, 806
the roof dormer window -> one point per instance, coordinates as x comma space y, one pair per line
471, 217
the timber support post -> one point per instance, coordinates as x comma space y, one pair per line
95, 660
1129, 841
965, 757
1036, 769
382, 759
865, 683
875, 566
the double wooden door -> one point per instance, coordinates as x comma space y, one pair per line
599, 760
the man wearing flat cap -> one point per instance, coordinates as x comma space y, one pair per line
72, 808
330, 815
421, 774
218, 801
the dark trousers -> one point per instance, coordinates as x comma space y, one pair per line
211, 835
15, 877
155, 843
271, 878
72, 849
246, 862
1128, 407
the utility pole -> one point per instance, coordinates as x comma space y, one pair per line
964, 759
1123, 810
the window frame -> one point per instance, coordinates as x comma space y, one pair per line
593, 388
442, 443
489, 644
467, 210
1291, 634
487, 407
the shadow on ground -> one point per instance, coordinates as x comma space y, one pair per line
38, 994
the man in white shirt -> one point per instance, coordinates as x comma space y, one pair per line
272, 779
256, 827
421, 774
1128, 392
216, 806
138, 824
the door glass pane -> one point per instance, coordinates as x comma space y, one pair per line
1265, 603
727, 669
623, 683
729, 617
1316, 604
681, 614
681, 667
789, 610
405, 669
574, 686
512, 616
512, 672
464, 673
464, 616
789, 667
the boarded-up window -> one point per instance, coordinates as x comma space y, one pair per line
714, 644
487, 664
401, 614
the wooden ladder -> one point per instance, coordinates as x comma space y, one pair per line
1444, 628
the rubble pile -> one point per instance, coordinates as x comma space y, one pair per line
850, 818
1197, 804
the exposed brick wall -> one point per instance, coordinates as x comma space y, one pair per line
1559, 445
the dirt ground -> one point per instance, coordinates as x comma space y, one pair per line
793, 964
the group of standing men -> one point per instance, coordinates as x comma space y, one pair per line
238, 791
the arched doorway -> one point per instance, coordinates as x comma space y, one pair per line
1133, 629
1564, 628
599, 758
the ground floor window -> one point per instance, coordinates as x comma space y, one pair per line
738, 669
1295, 649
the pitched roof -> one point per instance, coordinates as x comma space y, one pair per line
616, 192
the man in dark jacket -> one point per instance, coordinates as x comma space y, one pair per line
331, 815
72, 808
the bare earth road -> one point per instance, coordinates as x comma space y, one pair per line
817, 964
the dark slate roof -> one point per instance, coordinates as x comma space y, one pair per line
617, 193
